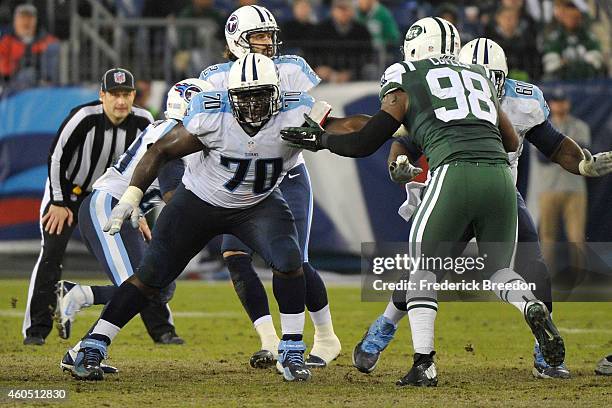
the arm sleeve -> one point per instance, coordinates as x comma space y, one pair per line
545, 137
170, 176
364, 142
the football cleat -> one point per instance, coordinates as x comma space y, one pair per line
545, 332
378, 336
541, 369
34, 341
70, 300
169, 338
325, 350
67, 363
604, 366
88, 360
423, 372
262, 359
291, 359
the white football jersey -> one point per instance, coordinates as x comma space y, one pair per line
238, 170
526, 108
117, 178
293, 71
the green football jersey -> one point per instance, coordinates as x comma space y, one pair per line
453, 112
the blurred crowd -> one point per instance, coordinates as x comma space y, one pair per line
344, 40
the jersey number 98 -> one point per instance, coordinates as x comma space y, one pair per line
474, 102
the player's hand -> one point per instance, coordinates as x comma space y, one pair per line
144, 228
596, 165
308, 137
120, 213
401, 171
54, 219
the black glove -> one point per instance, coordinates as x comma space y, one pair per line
306, 137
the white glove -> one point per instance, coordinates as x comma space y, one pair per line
401, 171
597, 165
127, 207
413, 199
320, 111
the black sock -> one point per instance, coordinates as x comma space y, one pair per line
103, 294
316, 293
127, 302
294, 337
248, 286
289, 292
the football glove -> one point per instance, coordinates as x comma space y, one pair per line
401, 171
127, 207
596, 165
305, 137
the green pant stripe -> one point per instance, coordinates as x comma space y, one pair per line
426, 208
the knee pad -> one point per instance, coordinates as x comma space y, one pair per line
286, 256
167, 293
149, 292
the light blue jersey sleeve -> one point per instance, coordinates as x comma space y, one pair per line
205, 113
293, 100
217, 75
295, 73
527, 99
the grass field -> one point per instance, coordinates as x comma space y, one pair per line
212, 368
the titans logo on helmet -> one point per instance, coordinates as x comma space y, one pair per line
187, 90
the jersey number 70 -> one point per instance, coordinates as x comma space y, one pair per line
267, 172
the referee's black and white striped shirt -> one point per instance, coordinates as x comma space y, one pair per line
87, 143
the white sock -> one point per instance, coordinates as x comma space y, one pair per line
77, 347
292, 323
393, 313
422, 322
88, 295
106, 329
267, 333
517, 298
321, 317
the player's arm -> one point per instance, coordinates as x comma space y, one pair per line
346, 125
402, 155
376, 131
567, 153
175, 144
509, 137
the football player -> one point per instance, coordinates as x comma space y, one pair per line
121, 254
254, 29
231, 188
527, 110
452, 112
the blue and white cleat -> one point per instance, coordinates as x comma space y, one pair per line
70, 300
291, 359
541, 369
87, 364
67, 363
378, 336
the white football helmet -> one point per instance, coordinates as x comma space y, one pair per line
254, 90
431, 37
246, 21
490, 55
181, 93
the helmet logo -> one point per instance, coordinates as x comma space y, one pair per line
414, 32
232, 24
187, 90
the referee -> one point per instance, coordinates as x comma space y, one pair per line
90, 139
